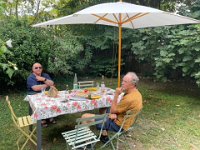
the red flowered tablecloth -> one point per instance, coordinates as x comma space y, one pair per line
46, 107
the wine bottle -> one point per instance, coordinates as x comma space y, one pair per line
102, 84
75, 83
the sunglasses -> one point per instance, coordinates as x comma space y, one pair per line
38, 68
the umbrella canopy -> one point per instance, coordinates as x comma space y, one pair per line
121, 14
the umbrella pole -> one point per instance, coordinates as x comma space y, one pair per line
119, 54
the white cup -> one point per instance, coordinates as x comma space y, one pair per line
43, 91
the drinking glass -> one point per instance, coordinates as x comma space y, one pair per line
43, 91
97, 85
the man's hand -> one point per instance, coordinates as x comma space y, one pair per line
118, 91
113, 116
113, 108
39, 78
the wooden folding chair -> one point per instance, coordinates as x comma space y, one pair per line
85, 84
82, 135
122, 133
21, 123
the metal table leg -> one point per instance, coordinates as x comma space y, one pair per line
39, 134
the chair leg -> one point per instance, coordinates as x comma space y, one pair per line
18, 140
113, 147
117, 145
110, 142
33, 135
92, 146
28, 137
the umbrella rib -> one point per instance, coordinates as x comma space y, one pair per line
116, 17
127, 16
100, 17
104, 19
134, 17
124, 19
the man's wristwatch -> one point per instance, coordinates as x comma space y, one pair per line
45, 79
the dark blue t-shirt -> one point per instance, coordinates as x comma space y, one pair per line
31, 81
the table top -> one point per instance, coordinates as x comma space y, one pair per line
44, 106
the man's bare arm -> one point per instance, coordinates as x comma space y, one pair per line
45, 80
49, 82
39, 87
113, 108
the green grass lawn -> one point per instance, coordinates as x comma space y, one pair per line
170, 119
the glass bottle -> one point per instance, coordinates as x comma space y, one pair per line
75, 83
67, 89
102, 84
67, 92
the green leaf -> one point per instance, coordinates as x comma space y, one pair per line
10, 72
197, 60
197, 75
167, 60
181, 50
187, 58
163, 53
185, 69
4, 66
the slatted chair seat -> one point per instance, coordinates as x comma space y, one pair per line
82, 135
85, 84
24, 121
21, 123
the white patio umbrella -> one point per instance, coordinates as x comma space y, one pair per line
121, 14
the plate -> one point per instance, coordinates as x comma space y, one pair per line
78, 99
91, 89
95, 97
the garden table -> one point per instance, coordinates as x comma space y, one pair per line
44, 107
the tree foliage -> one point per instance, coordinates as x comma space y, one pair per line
7, 66
92, 49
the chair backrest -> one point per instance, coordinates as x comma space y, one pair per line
81, 122
14, 117
85, 84
129, 114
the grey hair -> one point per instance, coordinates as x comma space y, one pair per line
135, 78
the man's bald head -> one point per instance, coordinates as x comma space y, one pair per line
37, 68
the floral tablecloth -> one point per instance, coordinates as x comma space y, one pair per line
46, 107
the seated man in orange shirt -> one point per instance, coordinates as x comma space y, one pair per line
132, 100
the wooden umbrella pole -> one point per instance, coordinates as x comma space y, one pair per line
119, 51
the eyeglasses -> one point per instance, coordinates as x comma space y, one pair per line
38, 68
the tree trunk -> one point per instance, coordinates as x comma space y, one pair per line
37, 11
16, 9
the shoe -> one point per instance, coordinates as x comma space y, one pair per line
52, 120
104, 139
44, 124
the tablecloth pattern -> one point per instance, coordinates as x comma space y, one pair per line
46, 107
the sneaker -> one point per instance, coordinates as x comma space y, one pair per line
104, 139
44, 124
52, 120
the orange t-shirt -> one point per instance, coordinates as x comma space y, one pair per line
131, 101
